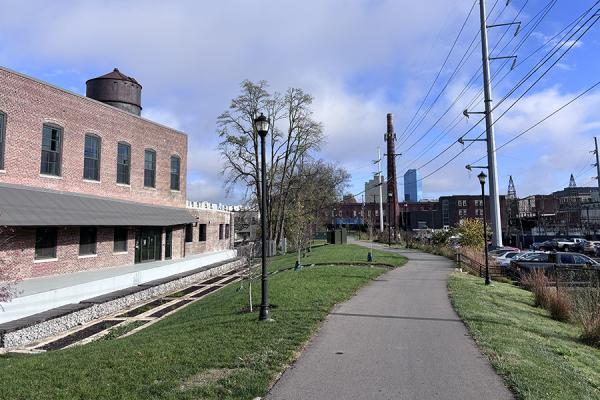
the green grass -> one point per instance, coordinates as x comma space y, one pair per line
538, 357
208, 350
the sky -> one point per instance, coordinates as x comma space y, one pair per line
360, 59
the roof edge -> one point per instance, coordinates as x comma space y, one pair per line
41, 82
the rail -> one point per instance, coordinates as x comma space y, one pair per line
477, 268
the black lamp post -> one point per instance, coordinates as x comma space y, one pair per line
406, 223
261, 125
482, 177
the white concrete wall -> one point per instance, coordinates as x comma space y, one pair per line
45, 300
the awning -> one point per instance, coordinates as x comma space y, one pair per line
26, 206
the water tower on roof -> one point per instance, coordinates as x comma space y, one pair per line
118, 90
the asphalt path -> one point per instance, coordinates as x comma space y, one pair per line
398, 338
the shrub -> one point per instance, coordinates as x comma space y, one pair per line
537, 283
586, 313
559, 304
470, 231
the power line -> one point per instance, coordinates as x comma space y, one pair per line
468, 52
473, 78
542, 13
441, 67
572, 43
556, 111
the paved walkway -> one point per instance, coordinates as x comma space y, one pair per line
398, 338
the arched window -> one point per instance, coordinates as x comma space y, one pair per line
52, 137
91, 157
2, 137
149, 168
175, 172
123, 163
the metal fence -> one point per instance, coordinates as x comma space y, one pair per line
475, 267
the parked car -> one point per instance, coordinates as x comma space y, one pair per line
591, 248
550, 260
501, 251
504, 259
567, 244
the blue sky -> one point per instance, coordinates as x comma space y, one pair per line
360, 59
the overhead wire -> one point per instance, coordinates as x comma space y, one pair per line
538, 66
441, 67
572, 44
541, 14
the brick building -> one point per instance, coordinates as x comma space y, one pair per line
88, 184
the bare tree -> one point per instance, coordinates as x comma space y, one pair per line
312, 192
293, 135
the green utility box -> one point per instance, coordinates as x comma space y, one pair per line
338, 236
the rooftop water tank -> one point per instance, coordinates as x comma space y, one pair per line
118, 90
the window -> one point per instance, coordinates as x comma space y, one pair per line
87, 241
202, 235
2, 138
123, 163
150, 168
51, 150
91, 158
567, 259
189, 233
221, 233
227, 231
120, 241
175, 172
45, 243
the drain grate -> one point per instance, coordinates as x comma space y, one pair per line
144, 308
170, 308
79, 335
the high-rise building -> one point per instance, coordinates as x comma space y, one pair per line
372, 190
413, 188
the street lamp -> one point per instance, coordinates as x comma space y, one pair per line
261, 124
390, 219
482, 177
406, 223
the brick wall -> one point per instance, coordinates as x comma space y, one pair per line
19, 252
212, 219
28, 104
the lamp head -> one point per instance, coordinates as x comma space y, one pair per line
262, 125
482, 177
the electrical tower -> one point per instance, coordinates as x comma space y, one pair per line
512, 211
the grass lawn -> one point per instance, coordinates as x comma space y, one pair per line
538, 357
208, 350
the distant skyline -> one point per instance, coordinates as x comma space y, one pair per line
359, 59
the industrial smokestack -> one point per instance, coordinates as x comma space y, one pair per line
390, 123
392, 185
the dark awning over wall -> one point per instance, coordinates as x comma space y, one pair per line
25, 206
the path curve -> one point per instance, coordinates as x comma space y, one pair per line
398, 338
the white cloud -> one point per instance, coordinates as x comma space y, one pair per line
360, 59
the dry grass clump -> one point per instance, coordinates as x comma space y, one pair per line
586, 313
537, 283
559, 305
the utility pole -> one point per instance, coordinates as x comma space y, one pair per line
597, 160
491, 141
380, 189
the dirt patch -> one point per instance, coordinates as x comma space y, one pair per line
207, 377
